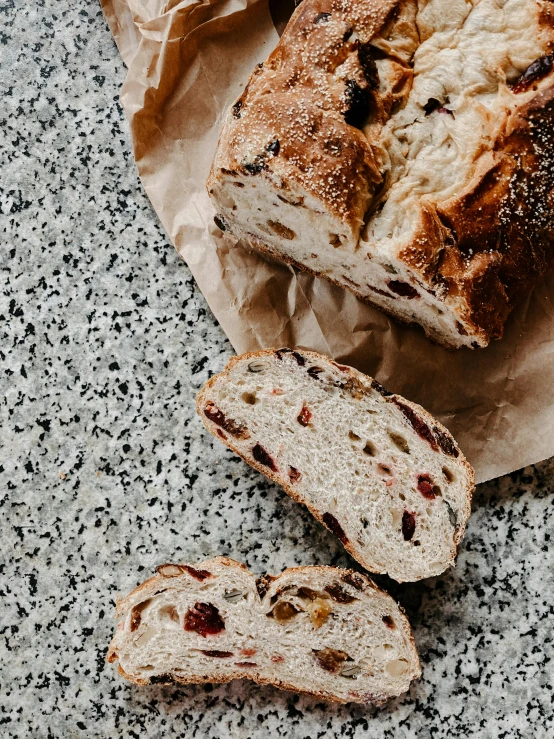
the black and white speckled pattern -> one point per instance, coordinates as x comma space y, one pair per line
105, 471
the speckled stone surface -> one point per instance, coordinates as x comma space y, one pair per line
106, 472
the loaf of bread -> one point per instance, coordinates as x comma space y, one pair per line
381, 473
403, 149
319, 630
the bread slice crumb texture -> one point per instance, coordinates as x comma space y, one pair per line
384, 476
319, 630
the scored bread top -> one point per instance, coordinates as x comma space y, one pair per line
421, 135
321, 630
381, 473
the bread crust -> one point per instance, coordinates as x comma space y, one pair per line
319, 110
154, 582
479, 251
366, 381
505, 215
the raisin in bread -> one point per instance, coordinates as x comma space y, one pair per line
403, 149
318, 630
381, 473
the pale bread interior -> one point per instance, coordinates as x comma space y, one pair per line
354, 455
350, 642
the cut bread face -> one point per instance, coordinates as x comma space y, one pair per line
319, 630
403, 149
381, 473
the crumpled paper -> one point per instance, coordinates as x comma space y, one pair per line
187, 62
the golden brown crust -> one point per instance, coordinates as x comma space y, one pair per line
527, 216
490, 244
366, 382
305, 97
503, 222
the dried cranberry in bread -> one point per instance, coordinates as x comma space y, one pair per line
403, 149
318, 630
381, 473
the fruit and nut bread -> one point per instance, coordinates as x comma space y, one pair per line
404, 150
319, 630
381, 473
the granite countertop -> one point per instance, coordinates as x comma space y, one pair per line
105, 471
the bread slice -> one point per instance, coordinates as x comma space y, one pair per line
404, 150
381, 473
319, 630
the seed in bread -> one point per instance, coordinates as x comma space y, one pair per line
377, 470
319, 630
404, 150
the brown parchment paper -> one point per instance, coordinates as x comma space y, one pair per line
187, 61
